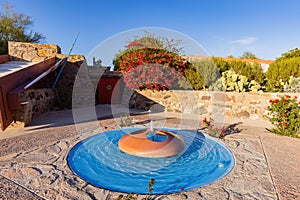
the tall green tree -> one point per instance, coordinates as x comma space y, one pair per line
16, 27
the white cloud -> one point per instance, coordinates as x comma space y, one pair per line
245, 41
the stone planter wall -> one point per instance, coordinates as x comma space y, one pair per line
34, 103
43, 98
31, 51
242, 105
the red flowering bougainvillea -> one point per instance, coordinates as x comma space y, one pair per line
152, 66
284, 113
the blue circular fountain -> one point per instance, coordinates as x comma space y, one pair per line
99, 161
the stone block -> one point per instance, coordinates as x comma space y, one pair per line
221, 97
205, 98
243, 115
254, 117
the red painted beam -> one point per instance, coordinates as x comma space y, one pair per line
4, 58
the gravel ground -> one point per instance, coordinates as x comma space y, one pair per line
10, 190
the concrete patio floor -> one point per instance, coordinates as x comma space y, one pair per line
33, 159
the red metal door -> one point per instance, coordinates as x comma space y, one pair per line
109, 90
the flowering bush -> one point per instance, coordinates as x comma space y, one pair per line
149, 68
284, 113
213, 131
170, 69
152, 76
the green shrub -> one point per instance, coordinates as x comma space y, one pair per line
280, 71
193, 80
207, 71
221, 64
284, 113
253, 71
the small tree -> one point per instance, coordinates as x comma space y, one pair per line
16, 27
249, 55
293, 53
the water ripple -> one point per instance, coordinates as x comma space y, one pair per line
99, 161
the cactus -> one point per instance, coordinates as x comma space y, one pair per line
254, 86
230, 81
293, 85
217, 86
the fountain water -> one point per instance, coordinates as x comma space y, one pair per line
151, 125
99, 161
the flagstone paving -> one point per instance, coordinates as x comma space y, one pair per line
35, 163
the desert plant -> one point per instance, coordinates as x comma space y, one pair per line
231, 81
133, 196
293, 86
284, 113
130, 196
249, 55
212, 130
217, 86
207, 71
253, 71
192, 80
125, 120
280, 71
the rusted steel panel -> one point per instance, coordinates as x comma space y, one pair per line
6, 115
109, 90
4, 58
14, 80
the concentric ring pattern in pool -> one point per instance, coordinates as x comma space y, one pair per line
99, 161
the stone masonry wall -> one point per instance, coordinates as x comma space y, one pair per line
31, 51
241, 105
34, 103
43, 98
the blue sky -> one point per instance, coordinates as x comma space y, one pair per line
267, 28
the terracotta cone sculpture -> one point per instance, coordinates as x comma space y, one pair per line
137, 144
